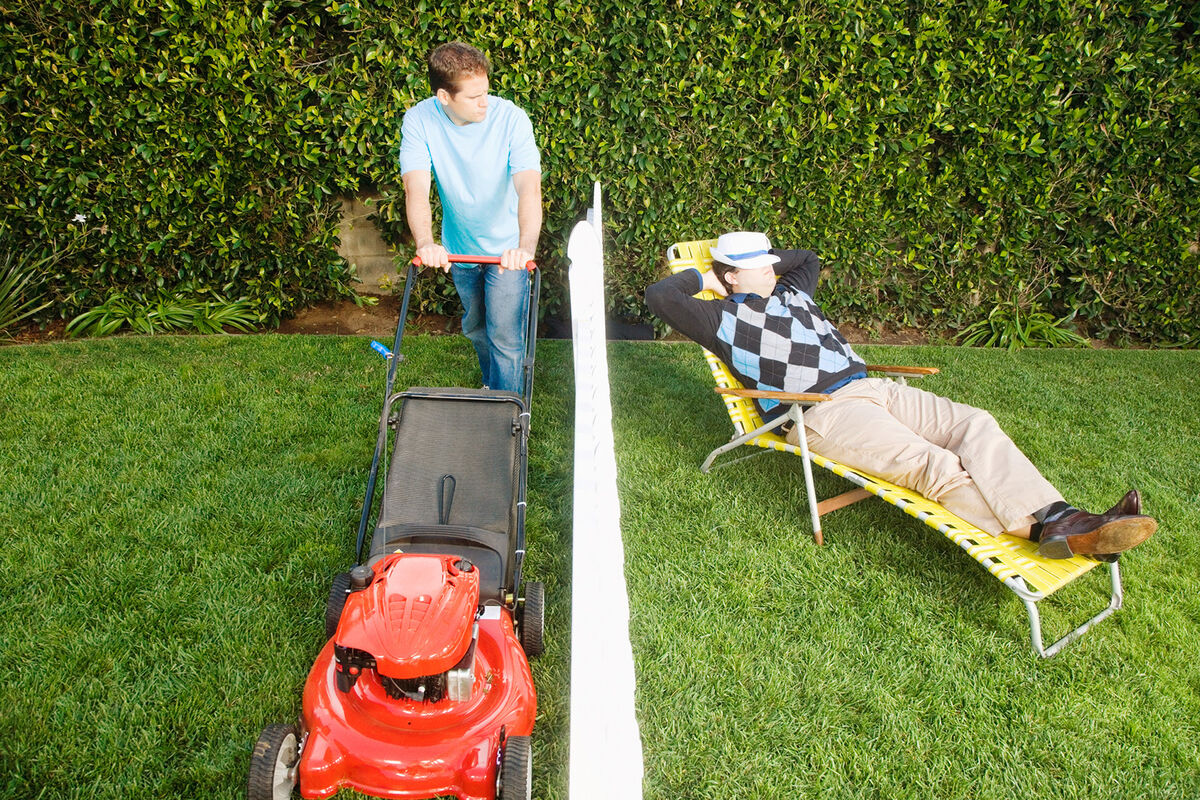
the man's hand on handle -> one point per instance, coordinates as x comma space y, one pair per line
434, 255
515, 259
518, 257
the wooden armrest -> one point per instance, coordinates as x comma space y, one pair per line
783, 397
918, 371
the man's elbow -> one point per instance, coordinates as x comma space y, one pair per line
417, 181
528, 183
656, 295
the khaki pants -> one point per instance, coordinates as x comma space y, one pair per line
951, 453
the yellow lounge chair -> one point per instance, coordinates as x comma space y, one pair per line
1013, 561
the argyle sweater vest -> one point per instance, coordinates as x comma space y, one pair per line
783, 343
778, 343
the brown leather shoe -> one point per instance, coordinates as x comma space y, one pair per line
1129, 505
1082, 533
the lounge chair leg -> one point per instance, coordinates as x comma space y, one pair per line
737, 442
796, 414
1035, 623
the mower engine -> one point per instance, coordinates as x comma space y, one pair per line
413, 622
420, 692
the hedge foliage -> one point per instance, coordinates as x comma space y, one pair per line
945, 158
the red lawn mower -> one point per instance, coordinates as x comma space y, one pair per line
423, 688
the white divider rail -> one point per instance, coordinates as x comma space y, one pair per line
606, 748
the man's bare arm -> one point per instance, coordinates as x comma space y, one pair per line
417, 185
528, 184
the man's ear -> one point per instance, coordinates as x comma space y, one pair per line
443, 96
731, 277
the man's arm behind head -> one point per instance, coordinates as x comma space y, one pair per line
671, 301
798, 270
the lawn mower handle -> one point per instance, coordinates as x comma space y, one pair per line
457, 259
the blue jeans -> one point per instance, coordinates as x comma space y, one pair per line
494, 305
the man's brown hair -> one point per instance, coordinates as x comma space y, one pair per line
721, 270
450, 63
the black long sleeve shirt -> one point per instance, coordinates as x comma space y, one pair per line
778, 343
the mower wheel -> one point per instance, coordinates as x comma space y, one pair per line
533, 619
273, 764
516, 769
337, 601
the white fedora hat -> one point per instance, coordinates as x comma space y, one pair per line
744, 250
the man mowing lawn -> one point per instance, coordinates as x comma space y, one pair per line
770, 332
481, 152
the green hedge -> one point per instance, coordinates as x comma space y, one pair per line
943, 158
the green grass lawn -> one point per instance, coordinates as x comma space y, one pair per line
173, 509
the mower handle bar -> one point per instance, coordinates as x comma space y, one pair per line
459, 259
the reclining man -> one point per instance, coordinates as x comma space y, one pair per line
768, 330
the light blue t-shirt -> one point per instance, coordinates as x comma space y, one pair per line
473, 166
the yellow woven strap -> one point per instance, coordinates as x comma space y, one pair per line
741, 410
690, 255
1004, 556
1008, 555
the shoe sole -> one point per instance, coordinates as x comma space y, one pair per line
1108, 539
